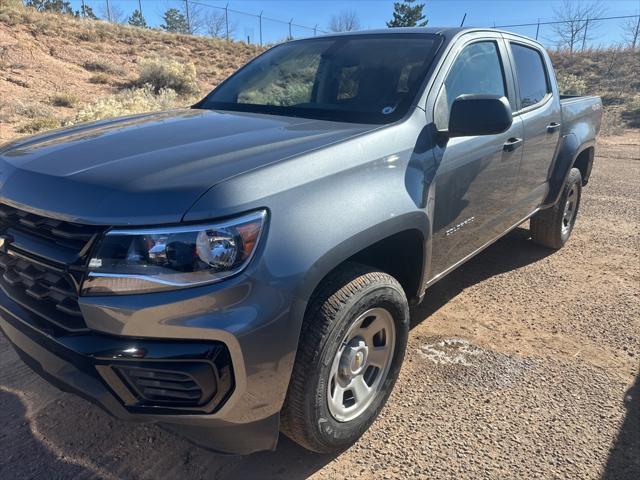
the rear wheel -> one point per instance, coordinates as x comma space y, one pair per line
351, 348
552, 227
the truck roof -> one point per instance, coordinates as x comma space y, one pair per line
447, 32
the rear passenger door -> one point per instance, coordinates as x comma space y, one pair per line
539, 109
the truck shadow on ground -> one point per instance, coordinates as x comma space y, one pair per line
22, 454
74, 439
89, 444
513, 251
624, 457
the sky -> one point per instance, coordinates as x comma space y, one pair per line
374, 14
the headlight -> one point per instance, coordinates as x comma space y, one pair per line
148, 260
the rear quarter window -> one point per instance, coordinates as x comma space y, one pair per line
531, 73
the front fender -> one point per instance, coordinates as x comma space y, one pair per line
417, 221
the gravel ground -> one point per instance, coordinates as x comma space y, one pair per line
521, 364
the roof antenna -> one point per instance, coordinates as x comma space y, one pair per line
463, 18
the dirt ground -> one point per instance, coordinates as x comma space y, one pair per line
523, 363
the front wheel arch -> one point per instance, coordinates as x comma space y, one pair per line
413, 226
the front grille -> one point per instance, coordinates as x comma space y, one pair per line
64, 234
42, 267
45, 291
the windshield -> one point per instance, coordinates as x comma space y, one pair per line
357, 78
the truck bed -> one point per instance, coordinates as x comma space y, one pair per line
579, 112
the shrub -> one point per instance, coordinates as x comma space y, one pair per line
162, 74
32, 110
62, 100
11, 5
100, 78
631, 113
127, 102
38, 124
98, 66
570, 84
88, 35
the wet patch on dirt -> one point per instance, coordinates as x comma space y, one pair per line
458, 360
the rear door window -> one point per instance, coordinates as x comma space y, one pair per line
532, 76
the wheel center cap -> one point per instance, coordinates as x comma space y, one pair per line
358, 361
354, 360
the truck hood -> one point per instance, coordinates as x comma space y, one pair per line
149, 169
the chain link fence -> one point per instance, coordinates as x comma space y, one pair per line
581, 34
202, 18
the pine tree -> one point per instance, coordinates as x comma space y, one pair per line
137, 20
86, 12
175, 22
407, 15
53, 6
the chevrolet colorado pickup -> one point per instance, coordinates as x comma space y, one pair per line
245, 266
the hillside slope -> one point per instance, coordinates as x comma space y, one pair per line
56, 70
52, 65
612, 74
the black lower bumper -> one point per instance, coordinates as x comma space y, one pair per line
173, 382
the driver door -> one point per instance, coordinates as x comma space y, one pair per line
477, 177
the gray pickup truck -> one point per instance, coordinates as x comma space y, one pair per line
245, 266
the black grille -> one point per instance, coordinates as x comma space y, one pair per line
64, 234
42, 266
43, 290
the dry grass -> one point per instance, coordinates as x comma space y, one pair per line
39, 124
97, 63
63, 100
100, 78
610, 73
127, 102
163, 74
99, 66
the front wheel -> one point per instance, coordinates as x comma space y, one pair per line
352, 344
552, 227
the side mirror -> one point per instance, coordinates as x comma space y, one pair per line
479, 115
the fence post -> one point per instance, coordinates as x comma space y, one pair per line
84, 10
260, 24
140, 6
463, 18
584, 37
538, 29
315, 30
635, 34
108, 11
290, 36
226, 19
186, 7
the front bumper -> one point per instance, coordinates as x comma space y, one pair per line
241, 381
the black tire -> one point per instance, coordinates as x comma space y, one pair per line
339, 300
550, 227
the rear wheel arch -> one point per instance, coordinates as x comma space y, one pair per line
584, 163
571, 154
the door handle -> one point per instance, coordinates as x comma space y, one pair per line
552, 127
511, 144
